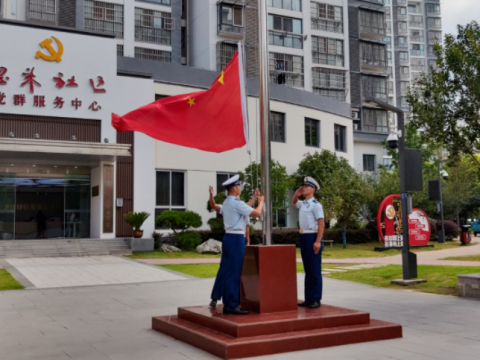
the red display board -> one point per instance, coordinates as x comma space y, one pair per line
390, 224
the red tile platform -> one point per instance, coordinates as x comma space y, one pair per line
233, 336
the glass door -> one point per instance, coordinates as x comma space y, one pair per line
7, 206
77, 206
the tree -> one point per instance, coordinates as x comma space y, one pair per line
341, 187
179, 220
281, 183
446, 102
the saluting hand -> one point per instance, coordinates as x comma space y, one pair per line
211, 190
299, 191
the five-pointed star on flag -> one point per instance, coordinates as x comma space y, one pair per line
191, 101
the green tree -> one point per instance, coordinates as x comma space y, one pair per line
341, 187
179, 220
445, 103
281, 183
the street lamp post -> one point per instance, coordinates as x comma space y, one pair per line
441, 235
409, 259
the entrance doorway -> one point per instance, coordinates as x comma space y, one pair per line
47, 202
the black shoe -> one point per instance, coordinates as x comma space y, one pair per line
213, 304
314, 304
234, 311
304, 304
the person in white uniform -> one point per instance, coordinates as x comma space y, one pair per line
312, 225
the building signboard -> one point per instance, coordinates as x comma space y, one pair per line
108, 199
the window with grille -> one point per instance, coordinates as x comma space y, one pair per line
373, 54
434, 23
416, 35
230, 18
402, 27
415, 20
417, 64
434, 37
374, 86
340, 138
327, 51
433, 9
277, 127
295, 5
401, 41
404, 87
401, 13
414, 8
375, 120
225, 53
312, 132
285, 31
153, 54
404, 72
329, 82
369, 162
417, 50
403, 57
104, 17
160, 2
153, 26
286, 69
372, 22
41, 9
119, 50
326, 17
170, 191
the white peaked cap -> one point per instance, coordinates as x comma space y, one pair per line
234, 180
311, 181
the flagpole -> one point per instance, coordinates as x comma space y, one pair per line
264, 98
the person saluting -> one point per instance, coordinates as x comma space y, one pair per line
312, 225
235, 218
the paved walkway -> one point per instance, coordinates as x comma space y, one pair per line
43, 273
113, 323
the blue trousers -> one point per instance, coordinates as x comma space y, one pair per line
227, 282
312, 264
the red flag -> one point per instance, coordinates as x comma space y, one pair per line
213, 120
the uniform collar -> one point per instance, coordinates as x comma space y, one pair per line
310, 200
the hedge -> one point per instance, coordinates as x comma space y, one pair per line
451, 229
291, 236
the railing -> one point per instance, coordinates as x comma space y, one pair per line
404, 76
417, 52
419, 38
229, 28
404, 62
372, 30
285, 39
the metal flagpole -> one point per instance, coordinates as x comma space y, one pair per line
264, 98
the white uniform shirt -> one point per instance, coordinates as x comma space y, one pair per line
310, 211
235, 214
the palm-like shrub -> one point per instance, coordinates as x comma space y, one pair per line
135, 219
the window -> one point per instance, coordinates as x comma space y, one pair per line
329, 82
225, 53
286, 69
327, 51
372, 22
283, 31
326, 17
119, 50
374, 86
401, 13
160, 96
414, 8
104, 17
433, 9
152, 54
277, 127
41, 9
402, 27
153, 26
368, 162
434, 23
281, 218
375, 120
415, 20
161, 2
230, 18
387, 162
170, 191
340, 138
221, 178
417, 50
389, 57
401, 42
373, 54
404, 87
388, 42
434, 37
390, 87
312, 132
295, 5
416, 35
418, 65
404, 73
403, 57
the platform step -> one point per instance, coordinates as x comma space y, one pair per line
229, 347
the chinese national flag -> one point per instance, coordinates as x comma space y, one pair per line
213, 120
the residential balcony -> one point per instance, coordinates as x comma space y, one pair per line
405, 76
286, 39
404, 62
231, 30
399, 2
420, 38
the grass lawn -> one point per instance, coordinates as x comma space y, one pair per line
464, 258
440, 279
7, 282
210, 270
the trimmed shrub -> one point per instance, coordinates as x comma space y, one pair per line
433, 229
188, 240
451, 229
179, 220
216, 224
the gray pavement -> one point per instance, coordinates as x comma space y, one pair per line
113, 322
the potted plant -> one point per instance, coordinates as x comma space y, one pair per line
136, 220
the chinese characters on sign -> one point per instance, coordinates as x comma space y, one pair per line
40, 101
108, 198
